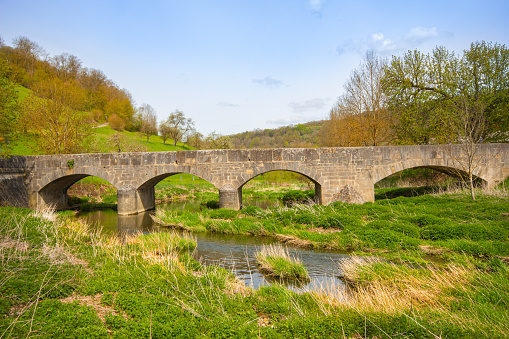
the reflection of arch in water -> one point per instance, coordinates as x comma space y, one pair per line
53, 191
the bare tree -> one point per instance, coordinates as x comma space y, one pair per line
467, 126
148, 120
360, 116
178, 126
67, 66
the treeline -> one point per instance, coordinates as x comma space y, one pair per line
294, 136
65, 98
434, 98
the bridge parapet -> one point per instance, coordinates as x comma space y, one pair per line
345, 174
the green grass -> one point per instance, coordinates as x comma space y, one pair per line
60, 279
276, 261
100, 136
443, 224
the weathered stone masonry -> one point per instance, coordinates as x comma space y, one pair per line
346, 174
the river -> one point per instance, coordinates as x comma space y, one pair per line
235, 253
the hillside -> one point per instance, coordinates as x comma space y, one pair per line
102, 141
301, 135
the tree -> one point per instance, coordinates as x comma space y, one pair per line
421, 90
164, 131
67, 66
50, 116
361, 116
195, 139
148, 120
9, 109
467, 123
178, 126
217, 141
28, 53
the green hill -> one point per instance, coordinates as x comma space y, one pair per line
301, 135
101, 142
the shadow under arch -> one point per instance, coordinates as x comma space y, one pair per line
429, 187
146, 190
318, 186
54, 193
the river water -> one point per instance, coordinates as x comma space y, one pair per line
235, 253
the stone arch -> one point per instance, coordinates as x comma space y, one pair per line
52, 192
79, 174
302, 170
156, 179
385, 171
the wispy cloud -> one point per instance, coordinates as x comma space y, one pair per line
385, 45
286, 120
308, 105
316, 5
268, 81
226, 104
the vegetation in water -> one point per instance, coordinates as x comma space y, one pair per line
276, 261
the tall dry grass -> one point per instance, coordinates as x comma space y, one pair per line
375, 286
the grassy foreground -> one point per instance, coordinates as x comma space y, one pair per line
60, 279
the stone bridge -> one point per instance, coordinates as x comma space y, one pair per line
339, 174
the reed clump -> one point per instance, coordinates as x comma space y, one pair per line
276, 261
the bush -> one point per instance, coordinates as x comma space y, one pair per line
116, 122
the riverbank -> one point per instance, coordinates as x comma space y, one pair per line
60, 278
429, 227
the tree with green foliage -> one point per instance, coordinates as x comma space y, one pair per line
49, 114
422, 88
444, 98
9, 108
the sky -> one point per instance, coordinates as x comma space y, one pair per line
239, 65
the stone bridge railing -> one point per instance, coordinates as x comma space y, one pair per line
345, 174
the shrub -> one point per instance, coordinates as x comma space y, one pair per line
116, 122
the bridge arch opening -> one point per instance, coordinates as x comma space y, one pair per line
72, 190
175, 187
422, 180
261, 189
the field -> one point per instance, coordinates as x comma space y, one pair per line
430, 266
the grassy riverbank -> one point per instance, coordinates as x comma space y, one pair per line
439, 226
59, 278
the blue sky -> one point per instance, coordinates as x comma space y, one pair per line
234, 66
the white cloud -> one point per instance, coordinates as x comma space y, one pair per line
377, 36
226, 104
383, 45
316, 5
308, 105
268, 81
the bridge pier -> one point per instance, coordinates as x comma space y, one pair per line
132, 201
230, 197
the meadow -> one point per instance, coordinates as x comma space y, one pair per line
429, 266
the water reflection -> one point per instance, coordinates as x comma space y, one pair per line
235, 253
